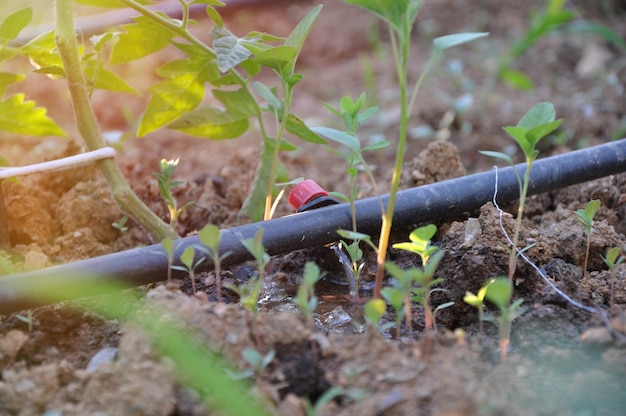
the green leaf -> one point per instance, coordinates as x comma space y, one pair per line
374, 310
299, 34
277, 58
14, 23
187, 257
422, 235
213, 123
171, 99
42, 51
516, 79
605, 32
395, 12
497, 155
311, 273
353, 235
239, 101
140, 39
537, 133
228, 48
296, 126
105, 79
540, 114
444, 42
499, 292
341, 137
210, 236
22, 117
267, 94
7, 79
472, 299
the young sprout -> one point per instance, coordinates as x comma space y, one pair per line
166, 184
257, 361
121, 224
499, 292
256, 248
374, 310
536, 124
28, 319
248, 293
585, 217
305, 297
168, 246
478, 301
350, 113
612, 260
397, 295
210, 236
189, 265
356, 256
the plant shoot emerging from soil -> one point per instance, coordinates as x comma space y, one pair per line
536, 124
585, 217
305, 296
612, 260
187, 258
499, 292
166, 184
400, 17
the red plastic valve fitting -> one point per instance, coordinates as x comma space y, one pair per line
308, 195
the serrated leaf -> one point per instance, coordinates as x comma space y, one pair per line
297, 127
23, 117
444, 42
171, 99
212, 123
140, 39
538, 115
42, 51
14, 23
230, 52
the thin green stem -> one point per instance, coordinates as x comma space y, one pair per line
126, 199
518, 222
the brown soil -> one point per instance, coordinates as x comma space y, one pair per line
563, 360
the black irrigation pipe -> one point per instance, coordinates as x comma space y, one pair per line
429, 203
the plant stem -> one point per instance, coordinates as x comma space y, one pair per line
401, 57
518, 222
125, 198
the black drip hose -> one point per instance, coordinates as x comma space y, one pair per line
429, 203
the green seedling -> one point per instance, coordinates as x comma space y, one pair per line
397, 295
305, 296
210, 236
121, 224
400, 17
166, 184
328, 396
499, 292
189, 265
477, 301
431, 256
612, 260
257, 361
585, 217
373, 311
255, 247
356, 256
28, 319
168, 247
536, 124
248, 293
352, 115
